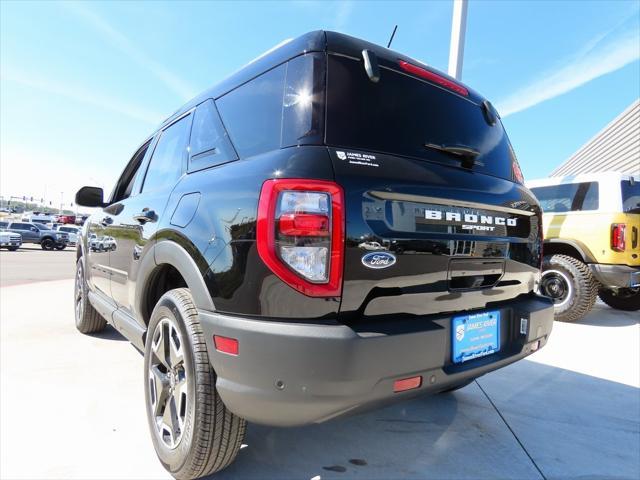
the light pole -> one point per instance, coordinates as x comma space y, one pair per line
458, 30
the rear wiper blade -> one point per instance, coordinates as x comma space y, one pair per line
466, 155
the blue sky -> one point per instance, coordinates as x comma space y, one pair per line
83, 84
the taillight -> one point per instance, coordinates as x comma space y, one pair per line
433, 77
300, 233
617, 237
517, 172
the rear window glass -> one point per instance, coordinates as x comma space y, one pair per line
568, 197
252, 113
401, 113
630, 196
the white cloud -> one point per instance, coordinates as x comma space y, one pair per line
603, 55
77, 93
343, 14
122, 43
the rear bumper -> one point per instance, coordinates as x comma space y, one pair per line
289, 374
621, 276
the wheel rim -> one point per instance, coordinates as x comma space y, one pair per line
168, 383
79, 294
48, 244
557, 286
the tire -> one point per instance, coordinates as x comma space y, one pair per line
570, 284
12, 249
47, 244
626, 299
88, 320
60, 247
180, 380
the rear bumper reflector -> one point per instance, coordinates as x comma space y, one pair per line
407, 384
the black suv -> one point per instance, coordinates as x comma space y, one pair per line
334, 227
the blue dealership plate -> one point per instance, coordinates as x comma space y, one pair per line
475, 336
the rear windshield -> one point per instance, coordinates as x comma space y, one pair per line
568, 197
401, 113
630, 196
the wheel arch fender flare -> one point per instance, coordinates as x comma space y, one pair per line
577, 245
173, 254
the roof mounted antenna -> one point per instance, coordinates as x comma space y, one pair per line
393, 34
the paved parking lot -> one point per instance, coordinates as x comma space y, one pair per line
72, 407
31, 264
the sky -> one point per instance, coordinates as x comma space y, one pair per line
83, 84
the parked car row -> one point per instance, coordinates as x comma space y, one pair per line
45, 236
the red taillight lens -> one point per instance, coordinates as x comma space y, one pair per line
407, 384
300, 233
433, 77
517, 172
617, 237
226, 344
304, 224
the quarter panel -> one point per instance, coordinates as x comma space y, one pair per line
222, 232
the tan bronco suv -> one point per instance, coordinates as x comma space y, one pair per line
591, 245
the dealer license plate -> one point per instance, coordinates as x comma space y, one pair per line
475, 336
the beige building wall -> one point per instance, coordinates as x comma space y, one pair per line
615, 148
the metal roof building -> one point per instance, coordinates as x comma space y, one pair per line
616, 147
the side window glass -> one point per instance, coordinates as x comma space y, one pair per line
210, 143
124, 187
590, 197
252, 113
166, 163
568, 197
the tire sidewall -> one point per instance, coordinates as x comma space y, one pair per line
172, 459
47, 244
630, 303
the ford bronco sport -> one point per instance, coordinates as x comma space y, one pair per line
591, 244
334, 227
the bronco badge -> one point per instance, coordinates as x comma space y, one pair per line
378, 260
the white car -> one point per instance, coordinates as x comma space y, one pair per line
10, 240
371, 246
72, 231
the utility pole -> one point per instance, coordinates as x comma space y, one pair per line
458, 30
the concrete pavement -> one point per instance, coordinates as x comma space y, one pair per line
71, 406
31, 264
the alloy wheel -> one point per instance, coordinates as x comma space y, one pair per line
168, 383
79, 294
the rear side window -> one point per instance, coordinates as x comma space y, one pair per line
168, 157
252, 113
630, 196
568, 197
402, 114
21, 226
210, 143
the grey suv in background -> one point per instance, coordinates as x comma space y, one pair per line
37, 233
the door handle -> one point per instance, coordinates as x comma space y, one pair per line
145, 216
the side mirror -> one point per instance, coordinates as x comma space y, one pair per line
90, 197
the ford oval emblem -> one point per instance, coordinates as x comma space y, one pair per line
378, 260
